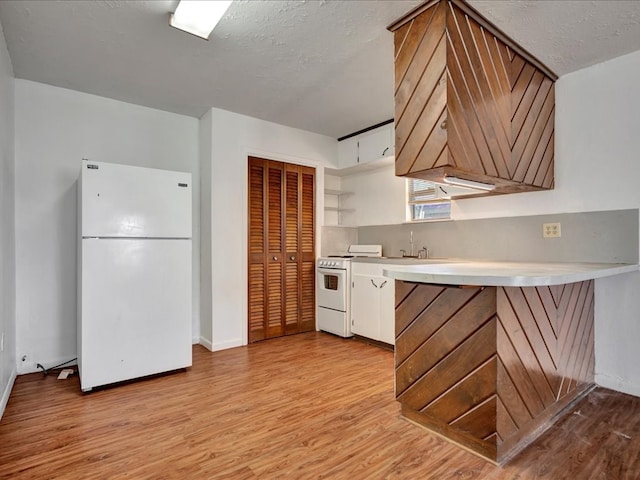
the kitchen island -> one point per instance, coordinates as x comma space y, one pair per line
490, 354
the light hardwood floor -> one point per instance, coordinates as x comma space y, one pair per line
310, 406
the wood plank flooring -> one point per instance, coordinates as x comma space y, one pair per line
309, 406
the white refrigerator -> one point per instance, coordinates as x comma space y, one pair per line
134, 298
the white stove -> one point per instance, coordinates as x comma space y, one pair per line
333, 292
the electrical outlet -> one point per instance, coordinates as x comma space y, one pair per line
551, 230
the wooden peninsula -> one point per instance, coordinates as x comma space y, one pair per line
490, 354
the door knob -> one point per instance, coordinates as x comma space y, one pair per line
292, 257
275, 258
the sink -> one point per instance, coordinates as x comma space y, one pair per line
413, 260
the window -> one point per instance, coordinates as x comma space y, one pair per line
423, 202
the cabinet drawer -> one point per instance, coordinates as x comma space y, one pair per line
373, 269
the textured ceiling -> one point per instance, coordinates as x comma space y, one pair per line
323, 66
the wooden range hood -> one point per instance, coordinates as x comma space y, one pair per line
469, 102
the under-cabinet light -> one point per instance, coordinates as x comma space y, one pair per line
461, 182
198, 17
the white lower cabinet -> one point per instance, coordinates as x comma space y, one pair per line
372, 302
388, 311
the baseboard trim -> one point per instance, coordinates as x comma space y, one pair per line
7, 391
206, 343
617, 384
237, 342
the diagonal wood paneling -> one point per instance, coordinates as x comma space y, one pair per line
471, 391
485, 110
545, 351
515, 369
532, 126
576, 328
522, 330
446, 356
466, 104
492, 366
449, 369
420, 97
411, 300
442, 310
511, 400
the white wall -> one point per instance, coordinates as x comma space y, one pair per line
7, 228
55, 129
205, 334
379, 197
597, 168
234, 137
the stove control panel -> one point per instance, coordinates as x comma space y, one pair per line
332, 263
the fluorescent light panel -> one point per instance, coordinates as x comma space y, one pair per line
198, 17
461, 182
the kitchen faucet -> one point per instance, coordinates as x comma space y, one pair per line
424, 252
411, 251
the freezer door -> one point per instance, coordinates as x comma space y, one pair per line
135, 309
126, 201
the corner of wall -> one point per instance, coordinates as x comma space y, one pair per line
7, 391
617, 384
8, 367
206, 343
205, 148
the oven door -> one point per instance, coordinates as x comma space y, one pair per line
332, 288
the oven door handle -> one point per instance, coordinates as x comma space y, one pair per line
330, 271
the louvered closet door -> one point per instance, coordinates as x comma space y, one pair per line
307, 250
281, 249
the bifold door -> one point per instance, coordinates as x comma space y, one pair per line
281, 249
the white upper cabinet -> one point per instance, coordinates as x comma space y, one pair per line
348, 152
375, 144
369, 148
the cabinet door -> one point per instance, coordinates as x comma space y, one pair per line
375, 144
365, 317
348, 152
387, 311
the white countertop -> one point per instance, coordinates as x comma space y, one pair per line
505, 274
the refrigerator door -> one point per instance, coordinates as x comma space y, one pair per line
135, 309
125, 201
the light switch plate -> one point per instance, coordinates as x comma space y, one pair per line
551, 230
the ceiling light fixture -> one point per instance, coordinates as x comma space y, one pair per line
461, 182
198, 17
